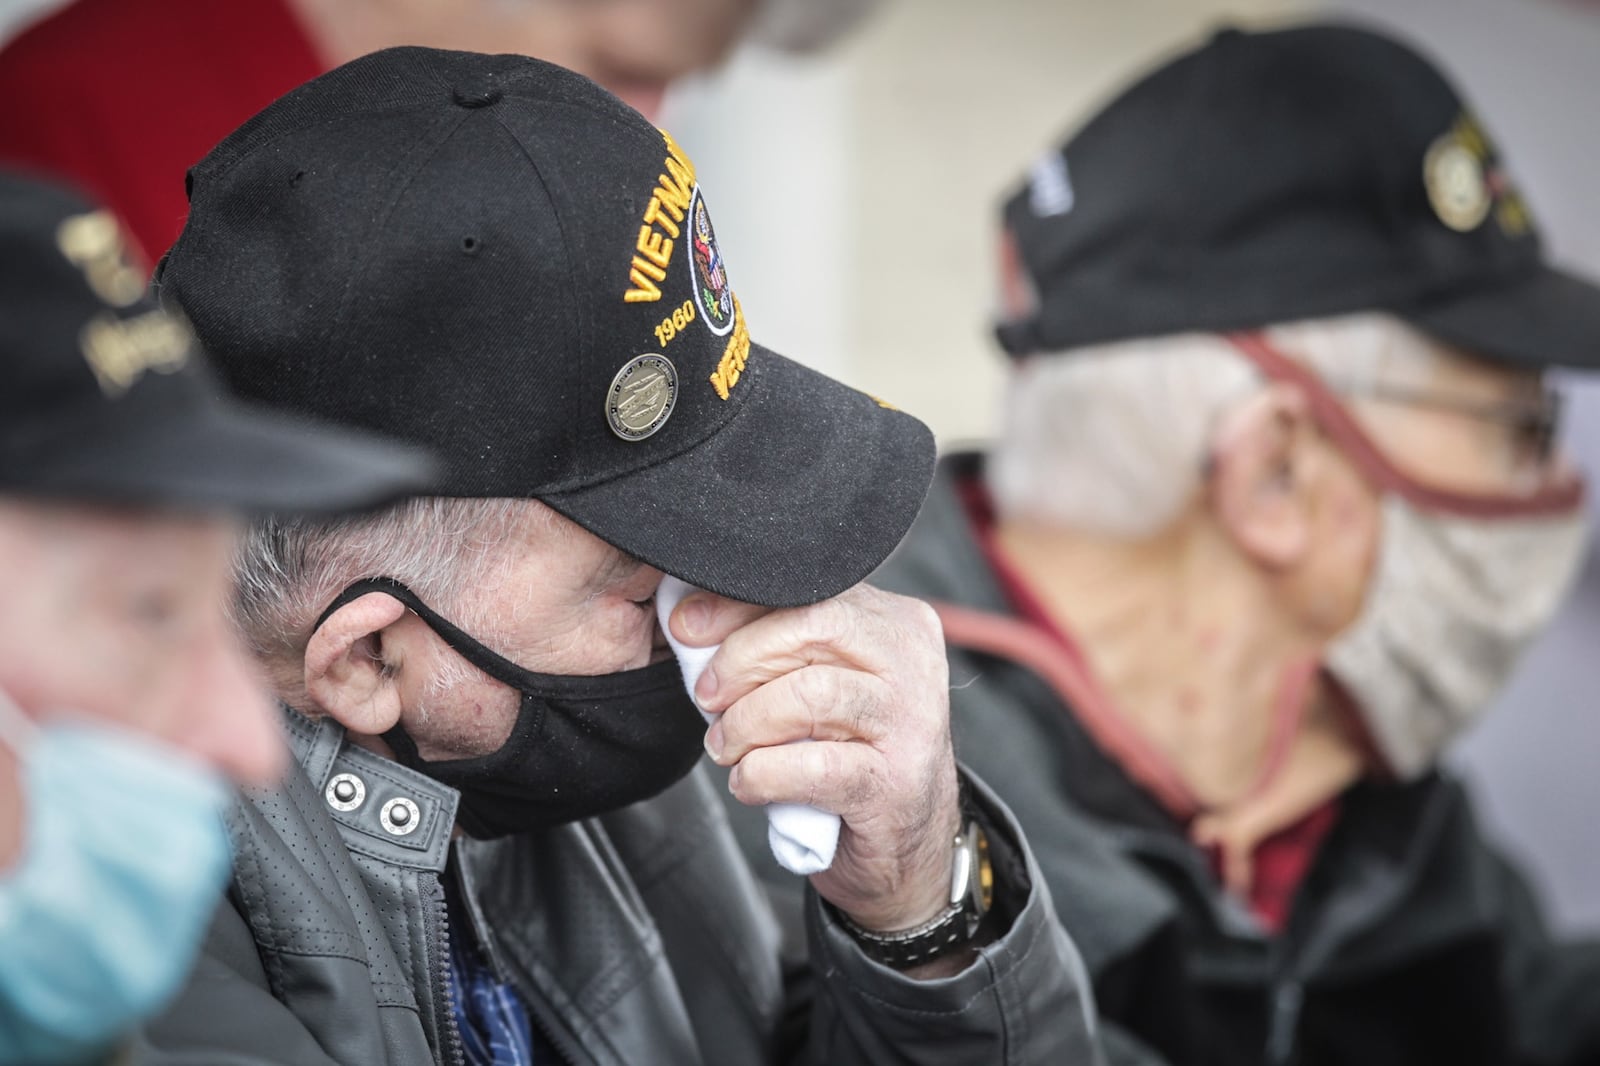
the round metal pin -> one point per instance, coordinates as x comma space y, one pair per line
400, 816
345, 792
641, 396
1458, 188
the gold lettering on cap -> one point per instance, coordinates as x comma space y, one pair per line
119, 351
93, 243
662, 224
734, 357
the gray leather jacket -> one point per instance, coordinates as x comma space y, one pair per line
638, 938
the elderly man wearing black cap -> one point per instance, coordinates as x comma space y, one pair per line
1274, 510
126, 700
498, 845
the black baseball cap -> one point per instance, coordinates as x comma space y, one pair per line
1296, 173
105, 398
494, 257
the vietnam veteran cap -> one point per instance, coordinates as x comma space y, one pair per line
493, 257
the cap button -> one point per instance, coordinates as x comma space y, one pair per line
476, 92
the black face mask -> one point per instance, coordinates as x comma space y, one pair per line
581, 746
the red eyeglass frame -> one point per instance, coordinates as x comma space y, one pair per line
1336, 420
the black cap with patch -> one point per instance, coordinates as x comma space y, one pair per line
104, 398
492, 256
1273, 176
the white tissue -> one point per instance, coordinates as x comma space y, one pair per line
803, 839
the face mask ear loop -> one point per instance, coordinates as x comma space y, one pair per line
17, 731
469, 648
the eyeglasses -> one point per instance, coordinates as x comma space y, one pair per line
1535, 422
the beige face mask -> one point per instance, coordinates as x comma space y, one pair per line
1453, 604
1462, 585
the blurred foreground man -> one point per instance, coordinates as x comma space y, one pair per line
126, 700
497, 846
1272, 515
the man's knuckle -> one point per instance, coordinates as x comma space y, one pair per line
816, 689
749, 784
821, 771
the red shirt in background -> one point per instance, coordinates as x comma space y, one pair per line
121, 97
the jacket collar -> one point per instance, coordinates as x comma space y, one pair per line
364, 792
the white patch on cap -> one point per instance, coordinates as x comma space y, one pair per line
1050, 186
1458, 187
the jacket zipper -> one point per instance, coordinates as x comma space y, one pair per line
449, 1034
1287, 998
558, 1046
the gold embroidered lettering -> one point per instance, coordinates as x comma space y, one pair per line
671, 327
655, 248
1470, 134
644, 276
93, 243
1513, 215
669, 203
653, 216
119, 351
734, 357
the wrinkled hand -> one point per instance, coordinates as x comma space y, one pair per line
864, 676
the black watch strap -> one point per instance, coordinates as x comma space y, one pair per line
971, 891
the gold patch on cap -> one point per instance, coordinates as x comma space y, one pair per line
642, 396
93, 243
119, 351
1457, 186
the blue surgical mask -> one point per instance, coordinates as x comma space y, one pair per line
123, 861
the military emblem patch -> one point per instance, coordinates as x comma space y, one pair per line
708, 275
641, 396
1457, 186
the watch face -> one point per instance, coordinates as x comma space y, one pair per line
984, 881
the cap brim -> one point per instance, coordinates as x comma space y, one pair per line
1550, 318
802, 494
224, 457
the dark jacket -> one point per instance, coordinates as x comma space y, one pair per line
638, 938
1410, 940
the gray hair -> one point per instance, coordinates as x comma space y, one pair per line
1113, 438
287, 570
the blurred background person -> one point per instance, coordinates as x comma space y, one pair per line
877, 153
1218, 601
123, 97
126, 702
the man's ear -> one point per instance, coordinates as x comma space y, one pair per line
345, 671
1260, 485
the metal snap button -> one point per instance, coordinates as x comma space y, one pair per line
345, 792
400, 816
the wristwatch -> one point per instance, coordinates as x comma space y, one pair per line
971, 893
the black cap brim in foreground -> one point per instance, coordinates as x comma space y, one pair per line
1549, 318
220, 457
803, 494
